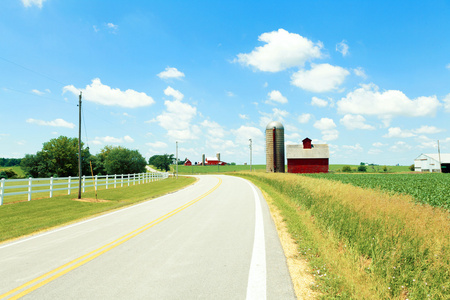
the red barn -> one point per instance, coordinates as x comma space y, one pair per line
307, 158
188, 162
213, 161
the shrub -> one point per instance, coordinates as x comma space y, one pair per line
412, 168
362, 168
346, 169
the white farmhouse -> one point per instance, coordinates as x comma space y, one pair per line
430, 163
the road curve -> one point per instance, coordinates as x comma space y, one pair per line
212, 240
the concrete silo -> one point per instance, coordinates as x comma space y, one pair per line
275, 147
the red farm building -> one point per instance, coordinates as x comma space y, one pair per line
213, 161
307, 158
188, 162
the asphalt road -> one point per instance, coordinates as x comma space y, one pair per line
212, 240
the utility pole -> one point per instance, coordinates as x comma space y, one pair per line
79, 147
250, 154
439, 153
177, 160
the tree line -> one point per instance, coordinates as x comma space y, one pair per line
9, 162
59, 158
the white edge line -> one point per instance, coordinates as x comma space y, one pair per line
256, 288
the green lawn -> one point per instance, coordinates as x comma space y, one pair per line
24, 218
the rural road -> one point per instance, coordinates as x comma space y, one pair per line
212, 240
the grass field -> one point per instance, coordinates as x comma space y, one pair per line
362, 243
428, 188
28, 217
17, 169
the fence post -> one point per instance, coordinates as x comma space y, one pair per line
134, 179
122, 180
2, 189
128, 179
68, 185
106, 181
115, 180
84, 179
95, 183
51, 187
29, 188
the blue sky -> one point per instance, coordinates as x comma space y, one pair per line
369, 78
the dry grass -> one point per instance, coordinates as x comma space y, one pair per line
374, 245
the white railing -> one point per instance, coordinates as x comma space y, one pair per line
43, 185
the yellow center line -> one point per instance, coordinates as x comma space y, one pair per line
66, 268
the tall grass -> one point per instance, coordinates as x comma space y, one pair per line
367, 240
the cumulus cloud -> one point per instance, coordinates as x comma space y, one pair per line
54, 123
319, 102
342, 48
276, 115
427, 130
157, 145
327, 127
397, 132
112, 140
28, 3
177, 95
400, 147
447, 103
177, 117
102, 94
368, 100
170, 73
359, 71
282, 50
244, 133
355, 122
304, 118
276, 96
213, 128
321, 78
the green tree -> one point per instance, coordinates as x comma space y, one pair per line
346, 169
412, 167
118, 160
162, 162
362, 168
58, 157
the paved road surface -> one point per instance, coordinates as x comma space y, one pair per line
212, 240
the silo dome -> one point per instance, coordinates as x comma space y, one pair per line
275, 124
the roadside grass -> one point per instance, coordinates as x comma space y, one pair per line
370, 245
29, 217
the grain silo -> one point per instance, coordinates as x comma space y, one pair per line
275, 147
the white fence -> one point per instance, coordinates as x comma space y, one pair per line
35, 185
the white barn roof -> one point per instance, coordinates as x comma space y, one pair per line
445, 157
317, 151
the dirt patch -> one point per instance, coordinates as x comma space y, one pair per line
91, 200
298, 268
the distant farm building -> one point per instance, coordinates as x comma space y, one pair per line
430, 163
275, 147
212, 161
308, 158
188, 162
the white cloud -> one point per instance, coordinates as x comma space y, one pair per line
244, 133
427, 130
170, 73
447, 103
213, 129
157, 145
400, 147
282, 50
342, 47
177, 117
37, 92
378, 144
243, 117
112, 140
105, 95
112, 27
276, 96
321, 78
304, 118
356, 147
318, 102
367, 100
54, 123
28, 3
177, 95
276, 115
355, 122
327, 127
397, 132
360, 72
